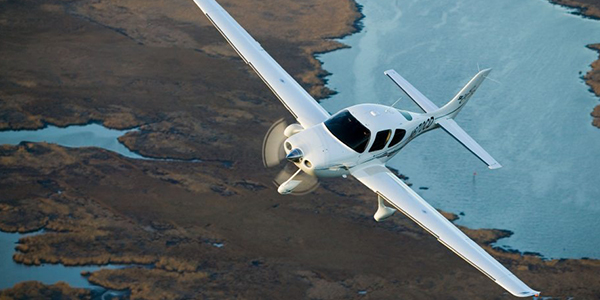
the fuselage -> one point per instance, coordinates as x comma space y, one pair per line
354, 136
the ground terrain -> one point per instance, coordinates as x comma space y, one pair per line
160, 66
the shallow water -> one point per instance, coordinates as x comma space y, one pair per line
13, 273
533, 117
90, 135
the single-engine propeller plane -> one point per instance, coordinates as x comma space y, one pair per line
358, 141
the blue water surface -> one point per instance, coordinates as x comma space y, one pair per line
533, 115
90, 135
12, 273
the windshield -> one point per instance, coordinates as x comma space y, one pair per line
346, 128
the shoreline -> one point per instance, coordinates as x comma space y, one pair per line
591, 10
166, 213
502, 233
323, 73
592, 79
357, 27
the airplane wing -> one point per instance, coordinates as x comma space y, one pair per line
379, 179
299, 102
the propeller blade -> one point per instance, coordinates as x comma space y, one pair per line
309, 183
272, 149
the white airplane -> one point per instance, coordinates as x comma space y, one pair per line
358, 141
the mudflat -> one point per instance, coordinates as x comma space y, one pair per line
215, 228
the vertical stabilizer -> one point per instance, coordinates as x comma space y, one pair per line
452, 108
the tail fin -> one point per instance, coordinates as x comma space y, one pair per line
452, 108
444, 116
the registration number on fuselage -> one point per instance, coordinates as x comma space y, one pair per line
422, 127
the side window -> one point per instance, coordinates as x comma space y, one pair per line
406, 115
398, 136
381, 139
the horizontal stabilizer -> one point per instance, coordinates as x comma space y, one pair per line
423, 102
451, 127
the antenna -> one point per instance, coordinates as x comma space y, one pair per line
488, 77
386, 110
492, 79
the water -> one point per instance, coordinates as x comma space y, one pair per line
90, 135
534, 120
13, 273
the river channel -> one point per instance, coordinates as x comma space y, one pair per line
533, 115
91, 135
13, 273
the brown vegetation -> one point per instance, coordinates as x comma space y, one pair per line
591, 9
159, 65
167, 217
33, 290
588, 8
592, 78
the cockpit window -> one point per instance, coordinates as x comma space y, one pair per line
398, 136
381, 139
346, 128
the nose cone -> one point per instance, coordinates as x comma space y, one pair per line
295, 155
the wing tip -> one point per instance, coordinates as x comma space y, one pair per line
495, 166
530, 293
